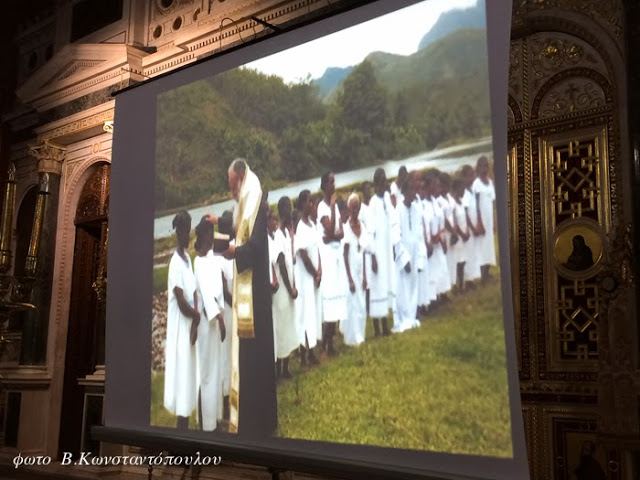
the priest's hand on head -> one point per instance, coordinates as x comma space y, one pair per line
211, 218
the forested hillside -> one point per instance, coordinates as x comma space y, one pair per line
388, 107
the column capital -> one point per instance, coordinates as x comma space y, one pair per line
50, 157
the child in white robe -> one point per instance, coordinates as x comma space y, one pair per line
395, 189
308, 277
430, 224
211, 329
407, 258
472, 267
273, 278
380, 281
334, 301
225, 226
451, 238
426, 293
356, 243
365, 218
439, 268
183, 317
284, 299
486, 195
462, 229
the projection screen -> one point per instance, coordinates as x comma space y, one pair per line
308, 255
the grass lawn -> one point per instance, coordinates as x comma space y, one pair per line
160, 417
440, 387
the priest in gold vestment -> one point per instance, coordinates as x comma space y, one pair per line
252, 399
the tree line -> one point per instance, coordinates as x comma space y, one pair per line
386, 108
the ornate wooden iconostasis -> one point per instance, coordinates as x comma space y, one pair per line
571, 252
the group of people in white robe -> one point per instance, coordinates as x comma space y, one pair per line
197, 348
399, 251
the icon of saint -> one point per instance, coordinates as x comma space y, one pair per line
581, 257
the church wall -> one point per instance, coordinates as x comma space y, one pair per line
567, 83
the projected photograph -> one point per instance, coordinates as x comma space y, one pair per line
325, 243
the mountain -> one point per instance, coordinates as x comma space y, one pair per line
330, 79
473, 17
462, 53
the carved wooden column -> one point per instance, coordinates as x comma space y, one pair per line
34, 336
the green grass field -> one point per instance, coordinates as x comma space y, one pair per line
440, 387
160, 417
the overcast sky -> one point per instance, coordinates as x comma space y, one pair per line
399, 32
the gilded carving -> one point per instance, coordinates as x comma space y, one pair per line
605, 12
49, 156
572, 95
551, 54
570, 140
575, 181
578, 249
577, 317
574, 176
568, 97
515, 67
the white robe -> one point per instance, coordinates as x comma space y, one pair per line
381, 283
273, 257
472, 267
353, 328
426, 288
306, 306
439, 268
180, 356
447, 208
227, 272
287, 338
365, 218
486, 195
208, 274
408, 251
460, 217
334, 300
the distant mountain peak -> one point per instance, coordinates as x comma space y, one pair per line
470, 17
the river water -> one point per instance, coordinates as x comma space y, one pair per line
433, 159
